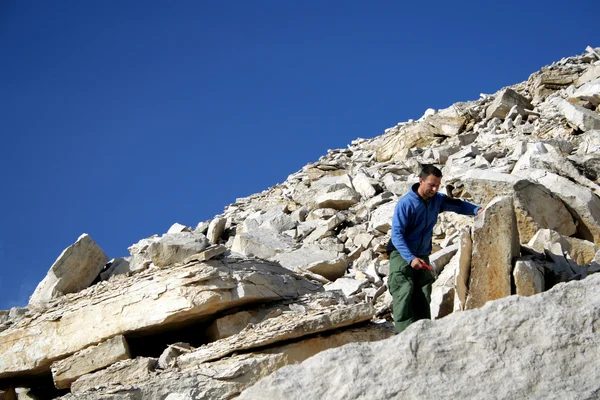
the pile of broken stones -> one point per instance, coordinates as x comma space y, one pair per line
282, 275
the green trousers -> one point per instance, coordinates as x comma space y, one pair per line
410, 289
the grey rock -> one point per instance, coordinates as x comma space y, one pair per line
469, 345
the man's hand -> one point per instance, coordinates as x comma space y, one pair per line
480, 211
417, 263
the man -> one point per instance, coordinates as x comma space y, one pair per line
415, 216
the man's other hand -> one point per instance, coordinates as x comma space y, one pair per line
417, 263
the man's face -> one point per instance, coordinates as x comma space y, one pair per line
429, 187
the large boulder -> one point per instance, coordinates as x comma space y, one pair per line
582, 118
176, 247
581, 251
517, 347
337, 196
261, 243
504, 101
495, 244
536, 206
448, 122
75, 269
582, 202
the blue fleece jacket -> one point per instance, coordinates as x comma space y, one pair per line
414, 219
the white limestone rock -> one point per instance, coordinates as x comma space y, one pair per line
176, 247
178, 228
362, 184
441, 258
75, 269
329, 264
348, 286
216, 228
381, 218
443, 291
582, 118
589, 91
504, 101
338, 196
261, 243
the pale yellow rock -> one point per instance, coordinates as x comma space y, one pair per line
118, 374
495, 243
225, 378
535, 206
581, 251
529, 278
278, 329
147, 301
75, 269
90, 359
461, 279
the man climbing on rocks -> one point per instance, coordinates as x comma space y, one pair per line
414, 217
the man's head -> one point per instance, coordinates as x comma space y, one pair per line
429, 181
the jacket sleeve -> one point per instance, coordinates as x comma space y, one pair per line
399, 223
458, 206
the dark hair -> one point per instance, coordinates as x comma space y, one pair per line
430, 170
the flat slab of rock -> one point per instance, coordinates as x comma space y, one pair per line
281, 328
176, 294
261, 243
582, 118
90, 359
176, 247
495, 244
118, 374
338, 197
527, 333
75, 269
330, 264
348, 286
225, 378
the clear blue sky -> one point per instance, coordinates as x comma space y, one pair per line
119, 118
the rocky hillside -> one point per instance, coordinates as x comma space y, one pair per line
208, 311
